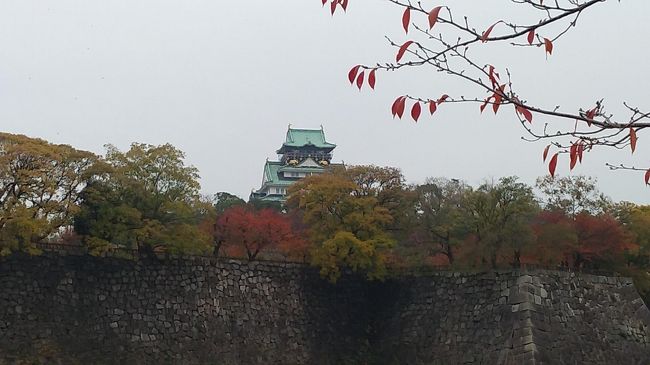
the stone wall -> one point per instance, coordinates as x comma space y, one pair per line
87, 310
539, 317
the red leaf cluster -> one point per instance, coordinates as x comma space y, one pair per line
359, 77
398, 106
335, 3
397, 109
591, 113
520, 109
575, 153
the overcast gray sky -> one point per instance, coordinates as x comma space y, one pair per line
222, 79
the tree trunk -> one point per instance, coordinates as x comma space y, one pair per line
516, 259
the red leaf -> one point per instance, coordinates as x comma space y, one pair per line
545, 154
442, 98
525, 113
493, 76
485, 103
548, 46
324, 1
333, 6
402, 49
581, 149
406, 19
432, 106
647, 177
415, 111
360, 80
433, 16
371, 79
572, 163
395, 106
552, 165
591, 113
400, 106
498, 98
353, 73
497, 102
486, 34
633, 139
531, 36
573, 156
344, 4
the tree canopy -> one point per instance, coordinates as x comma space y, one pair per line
40, 186
346, 222
147, 200
244, 231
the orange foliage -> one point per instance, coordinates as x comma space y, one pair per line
600, 237
248, 233
577, 242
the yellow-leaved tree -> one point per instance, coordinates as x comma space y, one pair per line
347, 223
40, 185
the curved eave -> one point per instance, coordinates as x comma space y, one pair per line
289, 147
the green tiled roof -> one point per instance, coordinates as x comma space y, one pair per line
271, 172
307, 137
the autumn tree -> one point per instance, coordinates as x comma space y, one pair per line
638, 224
584, 240
573, 195
601, 240
40, 185
500, 215
438, 38
148, 200
388, 187
260, 204
347, 225
555, 238
441, 216
242, 231
222, 201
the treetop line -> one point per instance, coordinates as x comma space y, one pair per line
582, 128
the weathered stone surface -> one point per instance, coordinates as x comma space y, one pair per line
540, 317
87, 310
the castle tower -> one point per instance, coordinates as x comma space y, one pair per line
304, 152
